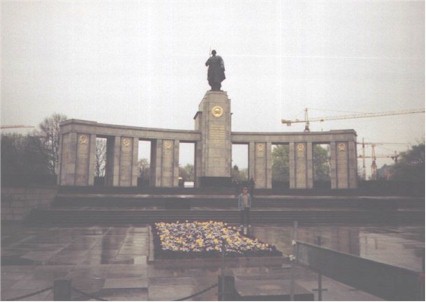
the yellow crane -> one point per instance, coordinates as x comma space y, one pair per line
308, 120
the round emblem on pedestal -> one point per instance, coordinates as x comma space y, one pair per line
167, 144
83, 139
300, 147
217, 111
342, 147
260, 147
126, 142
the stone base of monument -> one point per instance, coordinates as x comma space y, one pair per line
219, 182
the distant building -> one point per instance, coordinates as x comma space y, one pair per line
385, 172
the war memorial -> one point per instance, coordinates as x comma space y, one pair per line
162, 242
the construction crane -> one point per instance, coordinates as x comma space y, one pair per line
374, 157
307, 120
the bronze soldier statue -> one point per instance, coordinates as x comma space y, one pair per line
216, 72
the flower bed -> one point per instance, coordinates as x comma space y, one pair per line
204, 239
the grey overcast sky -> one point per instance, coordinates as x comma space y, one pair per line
141, 63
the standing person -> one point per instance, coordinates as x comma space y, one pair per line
216, 71
244, 205
251, 187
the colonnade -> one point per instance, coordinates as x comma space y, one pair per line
78, 155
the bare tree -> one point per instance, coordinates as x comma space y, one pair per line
49, 134
100, 157
143, 165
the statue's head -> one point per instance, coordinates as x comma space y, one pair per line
213, 52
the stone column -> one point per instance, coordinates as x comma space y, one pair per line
301, 166
113, 161
82, 162
198, 163
155, 177
92, 159
252, 160
166, 158
135, 168
167, 164
126, 162
268, 165
260, 165
68, 159
175, 164
342, 165
340, 170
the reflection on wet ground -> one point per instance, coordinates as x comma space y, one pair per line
111, 261
380, 243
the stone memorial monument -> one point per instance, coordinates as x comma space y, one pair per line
212, 138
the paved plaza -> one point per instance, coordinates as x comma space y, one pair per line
111, 262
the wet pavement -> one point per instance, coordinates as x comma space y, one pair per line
111, 262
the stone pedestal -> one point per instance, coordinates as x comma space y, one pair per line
213, 153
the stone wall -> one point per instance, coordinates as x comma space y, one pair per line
17, 202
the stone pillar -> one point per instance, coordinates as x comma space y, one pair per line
342, 167
165, 156
268, 165
113, 161
198, 163
175, 164
68, 159
126, 161
92, 160
260, 163
343, 170
251, 160
214, 120
155, 177
82, 161
301, 165
298, 166
135, 168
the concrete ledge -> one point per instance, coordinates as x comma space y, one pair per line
17, 202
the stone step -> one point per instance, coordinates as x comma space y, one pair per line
390, 190
87, 216
229, 201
